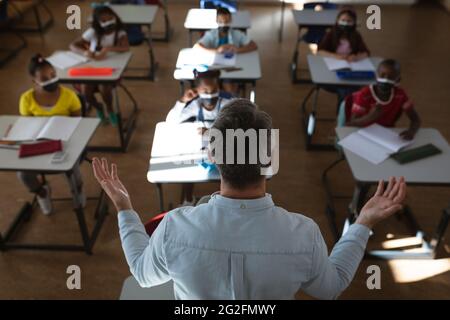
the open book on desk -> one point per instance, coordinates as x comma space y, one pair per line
374, 143
172, 139
66, 59
338, 64
42, 128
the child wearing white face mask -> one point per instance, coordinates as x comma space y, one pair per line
107, 34
384, 102
47, 98
224, 38
201, 104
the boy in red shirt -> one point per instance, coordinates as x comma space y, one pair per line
384, 102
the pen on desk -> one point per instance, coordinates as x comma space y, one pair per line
8, 129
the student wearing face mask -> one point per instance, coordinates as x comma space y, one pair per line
201, 104
384, 102
343, 41
47, 98
225, 39
107, 34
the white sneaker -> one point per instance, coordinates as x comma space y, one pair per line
45, 203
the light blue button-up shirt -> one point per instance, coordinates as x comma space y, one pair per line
240, 249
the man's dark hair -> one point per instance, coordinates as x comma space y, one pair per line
242, 114
37, 63
221, 11
391, 64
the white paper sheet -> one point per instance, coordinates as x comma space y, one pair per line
385, 137
362, 65
26, 129
59, 128
364, 148
336, 64
176, 139
66, 59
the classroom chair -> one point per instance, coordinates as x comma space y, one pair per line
313, 35
344, 113
24, 7
8, 18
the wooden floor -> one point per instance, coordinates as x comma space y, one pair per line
417, 36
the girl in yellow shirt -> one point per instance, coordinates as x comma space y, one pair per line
47, 98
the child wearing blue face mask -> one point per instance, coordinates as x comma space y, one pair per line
107, 34
384, 102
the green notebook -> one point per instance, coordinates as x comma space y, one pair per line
418, 153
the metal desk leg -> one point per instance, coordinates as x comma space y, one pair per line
440, 230
190, 38
253, 92
153, 64
358, 199
283, 7
160, 196
294, 63
309, 122
125, 129
168, 30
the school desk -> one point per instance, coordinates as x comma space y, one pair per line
176, 169
249, 72
201, 20
75, 149
118, 61
305, 19
140, 15
433, 171
322, 77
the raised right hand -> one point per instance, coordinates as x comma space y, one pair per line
384, 203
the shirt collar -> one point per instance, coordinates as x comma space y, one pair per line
243, 204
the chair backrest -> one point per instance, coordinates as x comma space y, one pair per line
345, 110
154, 222
315, 34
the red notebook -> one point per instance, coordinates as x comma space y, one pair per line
93, 72
44, 147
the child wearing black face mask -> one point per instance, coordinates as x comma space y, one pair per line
343, 41
384, 102
107, 34
47, 98
224, 39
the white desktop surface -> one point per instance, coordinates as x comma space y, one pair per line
118, 61
10, 161
136, 14
432, 170
310, 17
249, 62
320, 74
205, 19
